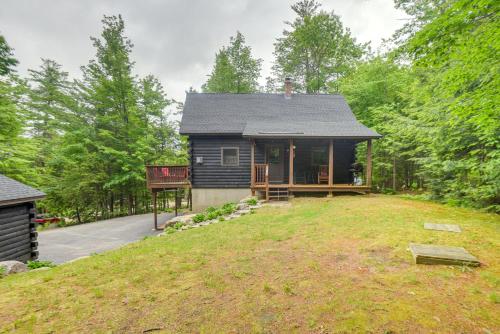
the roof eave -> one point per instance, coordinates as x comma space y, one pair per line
21, 200
309, 136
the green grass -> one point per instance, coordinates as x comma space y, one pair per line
337, 265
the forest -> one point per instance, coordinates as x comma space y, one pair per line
432, 91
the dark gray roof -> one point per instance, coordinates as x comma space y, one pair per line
12, 191
271, 115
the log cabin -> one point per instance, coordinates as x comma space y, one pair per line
274, 145
18, 236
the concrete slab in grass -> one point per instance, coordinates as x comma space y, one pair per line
433, 254
442, 227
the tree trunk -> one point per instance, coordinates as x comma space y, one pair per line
130, 199
394, 173
78, 218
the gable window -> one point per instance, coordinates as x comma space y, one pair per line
230, 156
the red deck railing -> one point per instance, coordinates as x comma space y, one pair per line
167, 175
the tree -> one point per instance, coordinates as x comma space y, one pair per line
117, 123
235, 70
49, 99
16, 151
7, 60
316, 51
455, 55
379, 93
438, 112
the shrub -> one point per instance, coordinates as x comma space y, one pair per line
221, 219
212, 215
210, 209
178, 225
252, 201
169, 210
228, 208
170, 230
39, 264
199, 218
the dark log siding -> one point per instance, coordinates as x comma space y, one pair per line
211, 173
344, 155
17, 233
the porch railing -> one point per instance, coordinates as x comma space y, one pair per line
261, 174
165, 175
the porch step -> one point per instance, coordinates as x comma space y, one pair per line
278, 194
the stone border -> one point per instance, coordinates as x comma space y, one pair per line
186, 222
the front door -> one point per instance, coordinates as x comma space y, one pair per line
276, 161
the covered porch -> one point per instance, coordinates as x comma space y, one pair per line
309, 165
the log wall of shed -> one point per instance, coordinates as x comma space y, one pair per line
17, 233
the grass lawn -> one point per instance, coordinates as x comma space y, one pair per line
337, 265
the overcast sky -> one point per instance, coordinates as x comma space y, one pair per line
175, 40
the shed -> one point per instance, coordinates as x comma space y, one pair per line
18, 236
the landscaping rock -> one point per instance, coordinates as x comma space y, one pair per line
243, 212
13, 267
186, 219
242, 206
258, 206
41, 269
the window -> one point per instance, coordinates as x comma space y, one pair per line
274, 155
319, 156
230, 156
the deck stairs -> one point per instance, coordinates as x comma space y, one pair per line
278, 194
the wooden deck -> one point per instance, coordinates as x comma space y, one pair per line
163, 177
167, 177
315, 187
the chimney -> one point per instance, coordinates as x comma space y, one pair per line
288, 88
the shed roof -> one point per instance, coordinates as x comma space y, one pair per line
12, 192
271, 115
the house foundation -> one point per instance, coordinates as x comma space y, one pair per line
205, 197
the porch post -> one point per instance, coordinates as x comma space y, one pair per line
176, 202
330, 163
252, 166
290, 161
155, 210
369, 163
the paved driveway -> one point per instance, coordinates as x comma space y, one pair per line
68, 243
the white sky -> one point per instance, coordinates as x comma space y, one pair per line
175, 40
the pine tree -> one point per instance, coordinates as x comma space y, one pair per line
7, 60
235, 70
49, 99
316, 51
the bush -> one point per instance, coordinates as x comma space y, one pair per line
170, 230
169, 210
252, 201
178, 225
39, 264
228, 208
221, 219
212, 215
210, 209
199, 218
